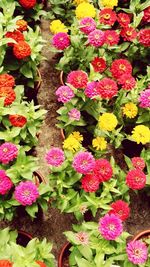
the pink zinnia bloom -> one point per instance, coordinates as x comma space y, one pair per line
91, 90
107, 88
90, 183
136, 179
128, 33
5, 183
26, 193
120, 67
87, 25
121, 209
123, 19
144, 37
64, 94
55, 157
138, 163
74, 114
137, 252
111, 37
127, 81
146, 17
96, 38
61, 40
103, 170
82, 238
78, 78
8, 152
110, 227
83, 162
144, 99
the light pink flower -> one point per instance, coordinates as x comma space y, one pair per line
5, 183
74, 114
26, 193
55, 157
137, 252
8, 152
83, 162
64, 94
87, 25
91, 89
61, 40
96, 38
110, 226
82, 238
144, 99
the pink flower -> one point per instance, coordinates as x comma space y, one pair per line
64, 94
137, 252
77, 78
96, 38
5, 183
138, 163
61, 40
91, 90
127, 81
26, 193
144, 99
55, 157
8, 152
83, 162
90, 183
87, 25
74, 114
107, 88
110, 226
136, 179
111, 37
103, 170
82, 238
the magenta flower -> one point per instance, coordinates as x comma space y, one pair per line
96, 38
74, 114
137, 252
144, 99
87, 25
5, 183
64, 94
110, 226
55, 157
8, 152
82, 238
83, 162
26, 193
61, 40
91, 90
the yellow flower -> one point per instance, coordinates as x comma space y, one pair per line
130, 110
57, 26
71, 144
85, 10
107, 122
109, 3
77, 136
77, 2
99, 143
141, 134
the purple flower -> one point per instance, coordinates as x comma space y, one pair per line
8, 152
61, 40
137, 252
5, 183
96, 38
145, 99
64, 94
110, 226
55, 156
74, 114
87, 25
83, 162
91, 89
26, 193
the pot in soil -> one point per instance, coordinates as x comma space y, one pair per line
23, 238
31, 93
63, 260
142, 235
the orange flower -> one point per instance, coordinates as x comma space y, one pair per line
22, 50
42, 264
9, 94
21, 25
5, 263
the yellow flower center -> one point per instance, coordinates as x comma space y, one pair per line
122, 67
107, 16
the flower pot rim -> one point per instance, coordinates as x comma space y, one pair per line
22, 232
61, 254
62, 134
61, 78
38, 84
38, 173
140, 234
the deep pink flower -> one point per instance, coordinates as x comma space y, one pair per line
103, 170
64, 94
55, 157
137, 252
5, 183
26, 193
146, 17
110, 226
96, 38
127, 81
123, 19
78, 79
87, 25
121, 209
82, 238
128, 33
99, 64
83, 162
120, 67
136, 179
111, 37
107, 88
138, 163
8, 152
90, 183
61, 40
144, 37
74, 114
144, 99
91, 90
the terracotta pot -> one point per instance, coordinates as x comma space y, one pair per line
142, 234
38, 83
62, 134
64, 254
62, 78
23, 238
39, 178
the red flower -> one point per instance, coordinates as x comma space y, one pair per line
111, 37
9, 95
136, 179
146, 17
21, 25
120, 67
121, 209
123, 19
42, 264
77, 78
128, 33
99, 64
5, 263
90, 183
138, 163
27, 3
127, 81
17, 120
103, 170
107, 16
107, 88
21, 50
6, 80
15, 35
144, 37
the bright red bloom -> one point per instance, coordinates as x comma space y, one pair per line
90, 183
121, 209
127, 81
42, 264
9, 95
77, 78
99, 64
15, 35
21, 25
123, 19
107, 88
107, 16
111, 37
144, 37
136, 179
103, 170
120, 67
6, 80
138, 163
17, 120
128, 33
27, 3
5, 263
146, 17
22, 50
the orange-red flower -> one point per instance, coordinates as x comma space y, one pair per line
17, 120
42, 264
5, 263
6, 80
22, 50
120, 67
9, 95
123, 19
111, 37
107, 16
27, 3
15, 35
107, 88
99, 64
128, 33
21, 25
